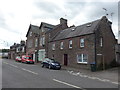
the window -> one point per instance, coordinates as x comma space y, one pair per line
101, 42
70, 44
36, 42
49, 36
82, 58
43, 40
17, 50
82, 42
53, 46
30, 33
61, 45
42, 29
23, 49
40, 41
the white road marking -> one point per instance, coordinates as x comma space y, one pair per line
13, 65
86, 76
5, 62
68, 84
29, 71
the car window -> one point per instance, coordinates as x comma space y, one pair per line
28, 57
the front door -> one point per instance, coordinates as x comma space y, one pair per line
65, 59
36, 56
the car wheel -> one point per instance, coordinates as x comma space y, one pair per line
42, 65
49, 67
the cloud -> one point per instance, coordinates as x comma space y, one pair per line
16, 15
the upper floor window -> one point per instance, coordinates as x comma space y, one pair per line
30, 33
17, 49
82, 42
70, 43
82, 58
101, 42
49, 35
53, 46
43, 40
42, 29
23, 49
36, 42
40, 41
61, 45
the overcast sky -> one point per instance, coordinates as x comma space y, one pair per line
16, 15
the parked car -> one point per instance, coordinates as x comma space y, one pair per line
18, 59
27, 59
51, 64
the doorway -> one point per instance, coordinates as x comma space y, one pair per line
65, 59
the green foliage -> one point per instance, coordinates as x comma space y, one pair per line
4, 50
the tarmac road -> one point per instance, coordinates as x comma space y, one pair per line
20, 75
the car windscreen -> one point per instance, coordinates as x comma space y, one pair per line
28, 57
55, 62
17, 57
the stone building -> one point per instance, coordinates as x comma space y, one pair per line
79, 46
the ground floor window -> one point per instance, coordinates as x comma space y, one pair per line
82, 58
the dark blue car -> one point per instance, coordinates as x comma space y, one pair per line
51, 64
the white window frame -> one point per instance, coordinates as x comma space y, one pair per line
42, 29
70, 43
17, 50
82, 42
30, 33
23, 49
53, 46
36, 42
82, 58
40, 41
101, 41
61, 45
43, 40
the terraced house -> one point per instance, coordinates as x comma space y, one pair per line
44, 27
32, 41
35, 43
79, 46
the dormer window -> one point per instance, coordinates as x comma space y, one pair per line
30, 33
89, 25
73, 29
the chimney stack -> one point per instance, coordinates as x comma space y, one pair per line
63, 21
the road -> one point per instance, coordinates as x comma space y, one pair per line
20, 75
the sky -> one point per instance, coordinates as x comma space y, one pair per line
17, 15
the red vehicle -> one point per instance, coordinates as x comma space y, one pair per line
18, 59
27, 59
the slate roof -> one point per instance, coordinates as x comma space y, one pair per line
46, 25
33, 28
84, 29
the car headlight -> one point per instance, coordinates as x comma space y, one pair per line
53, 63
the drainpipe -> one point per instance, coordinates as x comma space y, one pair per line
95, 51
